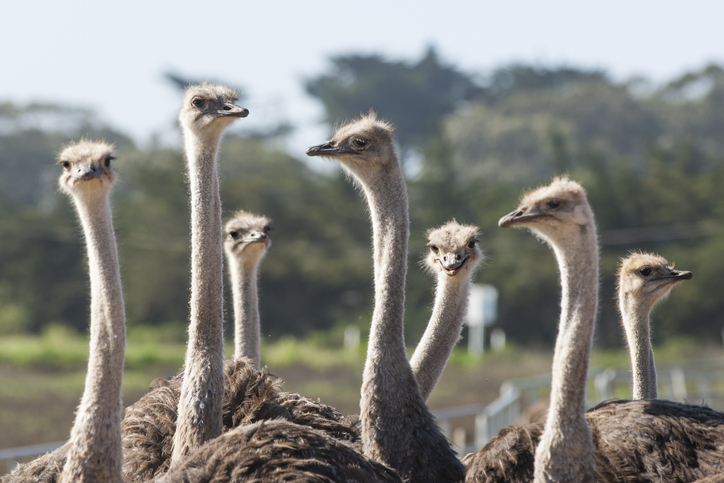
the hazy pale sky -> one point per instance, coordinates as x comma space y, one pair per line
110, 56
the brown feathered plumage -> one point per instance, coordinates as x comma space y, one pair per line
250, 395
45, 469
278, 451
644, 440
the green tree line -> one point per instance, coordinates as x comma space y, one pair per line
651, 158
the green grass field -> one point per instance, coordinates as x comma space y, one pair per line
42, 377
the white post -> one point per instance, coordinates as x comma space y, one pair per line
482, 311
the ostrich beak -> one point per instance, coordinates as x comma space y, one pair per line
232, 110
87, 174
454, 266
677, 275
256, 237
519, 217
327, 149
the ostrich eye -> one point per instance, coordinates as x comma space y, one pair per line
434, 249
554, 204
234, 234
359, 143
267, 229
471, 244
645, 271
107, 161
65, 164
199, 103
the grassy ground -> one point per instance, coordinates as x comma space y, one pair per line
42, 377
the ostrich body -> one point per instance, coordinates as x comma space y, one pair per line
94, 451
250, 396
642, 440
453, 258
278, 451
643, 280
207, 110
246, 240
397, 427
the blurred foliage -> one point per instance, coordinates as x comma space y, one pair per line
417, 96
651, 158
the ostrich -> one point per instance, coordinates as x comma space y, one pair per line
178, 414
643, 280
560, 215
246, 241
644, 440
94, 451
397, 427
453, 258
207, 110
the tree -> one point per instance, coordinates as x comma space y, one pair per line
414, 96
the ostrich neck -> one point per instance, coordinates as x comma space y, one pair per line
202, 390
565, 451
397, 427
96, 452
247, 337
636, 325
390, 227
442, 332
578, 264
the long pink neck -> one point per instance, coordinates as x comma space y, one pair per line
96, 452
202, 390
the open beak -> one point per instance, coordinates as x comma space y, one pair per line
452, 268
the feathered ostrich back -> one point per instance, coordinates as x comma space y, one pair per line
250, 395
45, 469
644, 440
278, 451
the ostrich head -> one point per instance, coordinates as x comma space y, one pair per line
554, 212
246, 235
453, 249
647, 278
86, 168
209, 108
364, 146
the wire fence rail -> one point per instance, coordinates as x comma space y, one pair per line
699, 382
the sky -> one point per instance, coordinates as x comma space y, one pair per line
111, 56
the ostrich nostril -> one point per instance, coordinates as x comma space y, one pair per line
444, 259
457, 257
